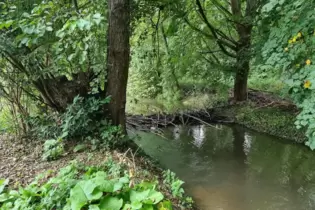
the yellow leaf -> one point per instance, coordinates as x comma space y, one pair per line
307, 84
294, 39
299, 35
308, 62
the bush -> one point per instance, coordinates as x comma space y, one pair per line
53, 149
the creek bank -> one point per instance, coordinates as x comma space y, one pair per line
263, 112
21, 162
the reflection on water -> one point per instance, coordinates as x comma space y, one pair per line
232, 168
198, 135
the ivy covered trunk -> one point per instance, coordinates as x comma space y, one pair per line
118, 52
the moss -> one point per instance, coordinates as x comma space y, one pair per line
269, 120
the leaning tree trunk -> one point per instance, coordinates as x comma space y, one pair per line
118, 52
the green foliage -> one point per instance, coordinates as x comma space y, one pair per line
290, 46
82, 119
77, 187
175, 183
53, 149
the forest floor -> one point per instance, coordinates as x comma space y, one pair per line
21, 162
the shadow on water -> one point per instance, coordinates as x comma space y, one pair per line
231, 168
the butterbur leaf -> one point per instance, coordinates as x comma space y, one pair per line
136, 205
77, 197
155, 196
3, 184
147, 207
94, 207
118, 186
127, 206
104, 185
83, 192
111, 203
138, 196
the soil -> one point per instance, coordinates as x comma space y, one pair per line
21, 160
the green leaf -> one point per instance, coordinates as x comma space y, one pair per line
49, 28
138, 196
77, 197
3, 184
94, 207
155, 196
4, 197
83, 192
79, 148
147, 207
111, 203
60, 34
136, 205
127, 206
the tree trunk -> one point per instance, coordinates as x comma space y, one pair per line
240, 81
243, 26
242, 62
118, 52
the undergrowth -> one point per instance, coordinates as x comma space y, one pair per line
75, 187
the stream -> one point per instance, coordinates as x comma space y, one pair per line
233, 168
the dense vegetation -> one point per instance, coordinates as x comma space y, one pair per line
69, 70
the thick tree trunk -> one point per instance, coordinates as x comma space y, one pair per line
242, 62
240, 81
118, 53
244, 29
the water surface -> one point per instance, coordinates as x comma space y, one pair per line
231, 168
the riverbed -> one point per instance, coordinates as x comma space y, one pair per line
233, 168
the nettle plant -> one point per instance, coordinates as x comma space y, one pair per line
291, 47
77, 187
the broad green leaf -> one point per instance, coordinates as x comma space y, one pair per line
94, 207
77, 197
138, 196
104, 185
148, 207
136, 205
83, 192
111, 203
155, 196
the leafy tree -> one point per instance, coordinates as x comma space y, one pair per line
289, 46
227, 29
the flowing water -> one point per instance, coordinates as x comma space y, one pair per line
232, 168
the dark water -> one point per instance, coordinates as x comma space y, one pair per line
231, 168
